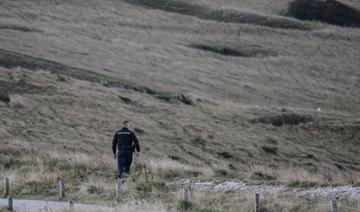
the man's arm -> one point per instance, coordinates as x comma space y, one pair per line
136, 142
114, 142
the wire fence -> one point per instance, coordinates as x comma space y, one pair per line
184, 193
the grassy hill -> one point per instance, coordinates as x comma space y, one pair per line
214, 89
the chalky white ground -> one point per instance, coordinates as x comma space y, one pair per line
346, 191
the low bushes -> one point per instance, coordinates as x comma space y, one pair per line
330, 11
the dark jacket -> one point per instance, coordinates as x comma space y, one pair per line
125, 140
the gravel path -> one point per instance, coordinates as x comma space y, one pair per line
40, 205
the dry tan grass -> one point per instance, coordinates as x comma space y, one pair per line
300, 174
165, 164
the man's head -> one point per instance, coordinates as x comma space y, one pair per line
126, 123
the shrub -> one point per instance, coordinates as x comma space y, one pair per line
225, 154
57, 164
284, 119
300, 184
79, 169
4, 96
126, 100
330, 11
149, 186
262, 176
184, 205
94, 190
139, 131
236, 52
221, 173
270, 149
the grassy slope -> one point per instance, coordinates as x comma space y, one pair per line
75, 119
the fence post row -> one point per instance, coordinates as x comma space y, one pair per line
333, 206
7, 187
61, 189
185, 195
257, 202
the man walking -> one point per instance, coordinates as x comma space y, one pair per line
126, 143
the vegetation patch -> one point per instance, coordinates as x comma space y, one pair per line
185, 206
262, 176
240, 52
221, 15
126, 100
139, 130
41, 189
20, 87
221, 173
283, 119
301, 184
4, 96
149, 186
174, 97
9, 59
55, 164
270, 149
12, 158
94, 190
225, 154
330, 11
79, 170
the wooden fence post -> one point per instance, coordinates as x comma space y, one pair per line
61, 189
257, 202
185, 193
118, 191
10, 204
7, 187
71, 205
333, 205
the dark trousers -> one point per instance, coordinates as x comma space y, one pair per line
124, 160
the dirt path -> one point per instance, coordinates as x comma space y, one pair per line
41, 205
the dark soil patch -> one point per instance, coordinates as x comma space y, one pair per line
330, 11
174, 98
240, 52
21, 87
225, 155
283, 119
221, 15
17, 28
4, 96
270, 149
125, 99
200, 142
